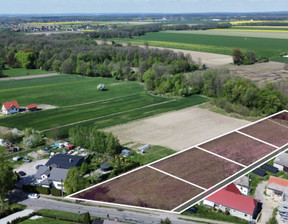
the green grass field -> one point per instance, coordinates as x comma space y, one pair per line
45, 221
79, 100
268, 47
15, 72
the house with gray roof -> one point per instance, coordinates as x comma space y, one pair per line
281, 162
243, 185
56, 169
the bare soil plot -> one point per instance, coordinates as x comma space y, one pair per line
262, 72
238, 148
145, 188
281, 119
30, 76
268, 131
178, 129
198, 167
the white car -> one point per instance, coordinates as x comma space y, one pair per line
33, 196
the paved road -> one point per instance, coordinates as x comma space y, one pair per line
132, 216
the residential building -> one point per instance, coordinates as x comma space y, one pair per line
276, 187
283, 207
65, 161
10, 107
243, 185
230, 199
281, 162
31, 107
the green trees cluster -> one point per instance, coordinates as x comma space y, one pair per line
248, 58
74, 181
95, 140
33, 138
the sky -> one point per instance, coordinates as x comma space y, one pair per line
139, 6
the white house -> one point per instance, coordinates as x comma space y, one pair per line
243, 185
230, 199
276, 187
10, 107
281, 162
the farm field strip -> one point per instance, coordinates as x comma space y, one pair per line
109, 115
284, 126
222, 157
240, 171
257, 139
171, 175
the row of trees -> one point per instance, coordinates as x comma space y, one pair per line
95, 140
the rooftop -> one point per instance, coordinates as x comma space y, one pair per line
65, 161
8, 105
278, 184
282, 159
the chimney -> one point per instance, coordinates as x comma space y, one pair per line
70, 160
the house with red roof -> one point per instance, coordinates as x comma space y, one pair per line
276, 187
31, 107
10, 107
230, 199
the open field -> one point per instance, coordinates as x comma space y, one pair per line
238, 148
145, 188
281, 119
79, 102
262, 72
15, 72
194, 164
178, 129
268, 47
268, 131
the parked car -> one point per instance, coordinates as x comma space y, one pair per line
46, 149
33, 196
27, 160
16, 158
192, 210
21, 173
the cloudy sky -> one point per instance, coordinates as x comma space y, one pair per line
139, 6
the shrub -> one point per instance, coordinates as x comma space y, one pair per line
43, 190
86, 218
56, 192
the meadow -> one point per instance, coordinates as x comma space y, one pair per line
221, 44
15, 72
80, 103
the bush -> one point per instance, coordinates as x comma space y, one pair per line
56, 192
43, 190
86, 218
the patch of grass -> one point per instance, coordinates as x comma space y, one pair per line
152, 154
45, 221
74, 217
15, 72
209, 213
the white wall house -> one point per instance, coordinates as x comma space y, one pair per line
243, 185
230, 199
10, 107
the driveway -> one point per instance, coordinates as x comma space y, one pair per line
30, 170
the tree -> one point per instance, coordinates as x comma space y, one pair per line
74, 181
86, 218
237, 56
165, 221
26, 59
7, 179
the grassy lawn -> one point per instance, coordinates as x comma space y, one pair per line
209, 213
15, 72
152, 154
268, 47
78, 99
45, 221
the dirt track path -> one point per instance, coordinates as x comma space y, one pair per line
29, 77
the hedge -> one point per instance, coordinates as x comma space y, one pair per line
36, 189
56, 192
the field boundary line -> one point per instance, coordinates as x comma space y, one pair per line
222, 157
109, 115
98, 101
257, 139
178, 178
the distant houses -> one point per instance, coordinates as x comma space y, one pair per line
10, 107
230, 199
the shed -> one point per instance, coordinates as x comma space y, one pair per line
105, 167
31, 107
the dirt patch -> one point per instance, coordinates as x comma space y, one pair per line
145, 188
178, 129
262, 72
192, 166
46, 106
29, 76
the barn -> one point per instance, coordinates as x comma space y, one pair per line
31, 107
